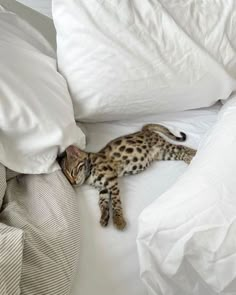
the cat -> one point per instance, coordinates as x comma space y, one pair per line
129, 154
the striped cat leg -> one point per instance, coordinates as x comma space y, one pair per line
188, 154
181, 153
171, 152
117, 212
104, 198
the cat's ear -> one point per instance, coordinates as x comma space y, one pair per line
73, 152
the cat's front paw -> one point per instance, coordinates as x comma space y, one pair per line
119, 221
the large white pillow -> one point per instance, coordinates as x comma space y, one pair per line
125, 58
36, 112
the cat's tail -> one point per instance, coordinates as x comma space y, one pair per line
161, 129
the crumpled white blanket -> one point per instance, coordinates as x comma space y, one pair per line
187, 237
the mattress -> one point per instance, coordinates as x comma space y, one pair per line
108, 259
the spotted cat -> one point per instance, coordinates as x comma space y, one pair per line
125, 155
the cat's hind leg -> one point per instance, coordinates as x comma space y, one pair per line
188, 155
104, 198
172, 152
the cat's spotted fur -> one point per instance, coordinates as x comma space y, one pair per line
125, 155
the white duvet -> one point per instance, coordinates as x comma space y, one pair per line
187, 237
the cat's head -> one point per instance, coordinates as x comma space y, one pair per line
74, 165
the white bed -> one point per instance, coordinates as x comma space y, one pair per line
109, 260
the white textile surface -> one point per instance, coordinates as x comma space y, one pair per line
108, 261
187, 237
125, 59
36, 114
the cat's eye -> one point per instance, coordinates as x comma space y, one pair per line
80, 167
76, 170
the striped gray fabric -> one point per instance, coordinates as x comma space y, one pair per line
11, 250
11, 174
44, 207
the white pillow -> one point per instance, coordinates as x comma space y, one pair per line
36, 112
125, 58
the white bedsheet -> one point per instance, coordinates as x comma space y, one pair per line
108, 258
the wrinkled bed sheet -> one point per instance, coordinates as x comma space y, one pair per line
187, 237
39, 234
109, 257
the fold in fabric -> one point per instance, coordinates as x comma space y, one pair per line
187, 237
